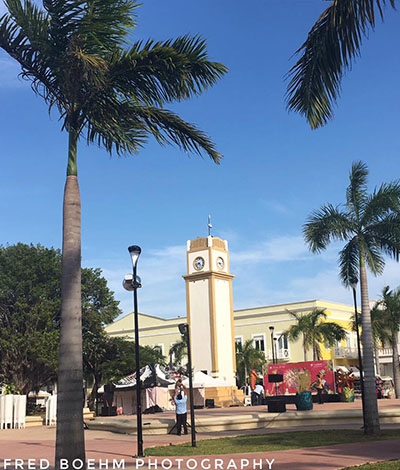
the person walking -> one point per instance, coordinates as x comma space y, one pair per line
181, 411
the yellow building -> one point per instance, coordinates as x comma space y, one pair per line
252, 323
215, 326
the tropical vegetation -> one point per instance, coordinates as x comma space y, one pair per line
387, 309
30, 283
75, 54
314, 330
248, 358
329, 51
370, 226
177, 354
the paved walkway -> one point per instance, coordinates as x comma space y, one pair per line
38, 443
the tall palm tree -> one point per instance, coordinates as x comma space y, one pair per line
370, 226
379, 333
75, 56
328, 52
314, 330
247, 358
389, 309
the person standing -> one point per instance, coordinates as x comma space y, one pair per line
319, 386
259, 392
181, 411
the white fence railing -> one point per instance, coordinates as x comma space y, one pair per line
281, 354
346, 352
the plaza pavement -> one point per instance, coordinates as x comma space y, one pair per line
39, 442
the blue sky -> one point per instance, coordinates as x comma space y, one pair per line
275, 171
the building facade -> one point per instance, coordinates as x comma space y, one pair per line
251, 324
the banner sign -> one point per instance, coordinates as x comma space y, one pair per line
290, 373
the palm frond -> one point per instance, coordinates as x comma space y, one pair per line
105, 24
331, 332
372, 254
385, 235
356, 192
349, 262
168, 128
381, 202
330, 49
325, 225
23, 35
159, 72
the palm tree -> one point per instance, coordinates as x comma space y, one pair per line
329, 50
370, 224
379, 334
314, 330
389, 310
177, 352
247, 358
73, 53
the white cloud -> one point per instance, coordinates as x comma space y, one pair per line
274, 271
279, 249
163, 291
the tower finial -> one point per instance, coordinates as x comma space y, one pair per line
209, 225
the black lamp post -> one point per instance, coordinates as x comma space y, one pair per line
360, 366
271, 329
184, 330
133, 283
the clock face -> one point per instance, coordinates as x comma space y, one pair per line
220, 263
198, 263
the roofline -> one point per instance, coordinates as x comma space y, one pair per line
239, 310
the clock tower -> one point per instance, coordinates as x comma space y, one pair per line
210, 308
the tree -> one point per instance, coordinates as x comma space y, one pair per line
30, 284
177, 352
107, 359
29, 304
314, 330
247, 358
388, 308
73, 54
329, 50
379, 334
370, 226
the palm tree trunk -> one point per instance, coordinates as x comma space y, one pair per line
70, 439
396, 365
305, 348
377, 362
370, 400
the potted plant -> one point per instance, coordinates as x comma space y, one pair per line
303, 396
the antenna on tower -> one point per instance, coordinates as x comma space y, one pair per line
209, 225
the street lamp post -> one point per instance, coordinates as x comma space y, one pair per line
184, 330
271, 329
360, 366
133, 283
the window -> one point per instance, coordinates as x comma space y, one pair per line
239, 340
282, 346
283, 342
259, 342
159, 347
